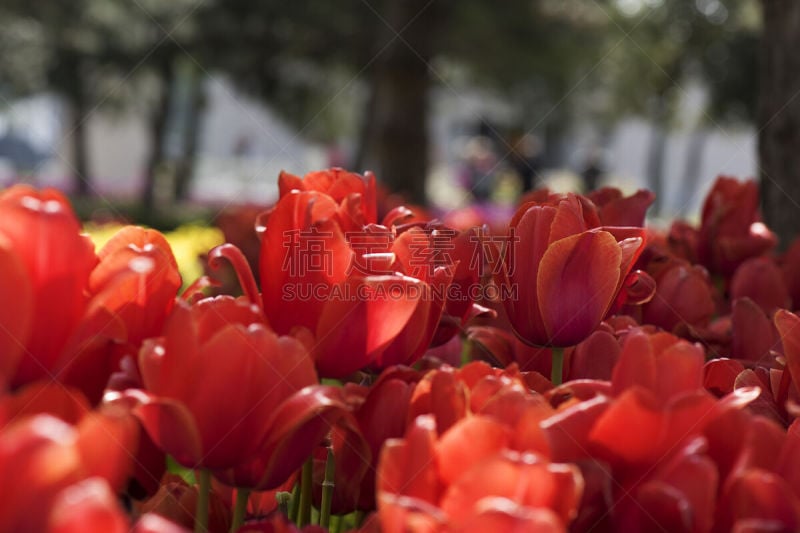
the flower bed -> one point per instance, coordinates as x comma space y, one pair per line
383, 371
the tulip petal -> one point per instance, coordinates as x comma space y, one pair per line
576, 285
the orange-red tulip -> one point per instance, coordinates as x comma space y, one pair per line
217, 348
367, 296
44, 234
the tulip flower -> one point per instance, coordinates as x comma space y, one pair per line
467, 477
355, 194
40, 229
95, 310
683, 298
369, 297
760, 279
218, 348
566, 274
731, 230
41, 455
134, 286
614, 209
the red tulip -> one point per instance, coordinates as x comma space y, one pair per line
176, 502
381, 415
44, 234
760, 280
88, 507
369, 297
15, 321
218, 348
94, 313
615, 209
790, 268
683, 298
566, 274
469, 477
753, 335
40, 456
296, 429
356, 194
133, 287
731, 230
788, 325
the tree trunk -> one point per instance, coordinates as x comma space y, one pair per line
77, 109
401, 108
363, 158
779, 118
185, 167
691, 171
158, 129
80, 156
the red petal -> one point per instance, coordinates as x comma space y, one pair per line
88, 507
467, 443
574, 296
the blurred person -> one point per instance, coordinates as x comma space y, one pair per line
593, 170
480, 164
525, 160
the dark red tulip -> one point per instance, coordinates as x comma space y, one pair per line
790, 268
788, 325
615, 209
731, 230
760, 280
176, 502
559, 299
753, 335
683, 297
298, 426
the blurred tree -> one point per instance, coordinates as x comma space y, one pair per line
387, 54
779, 117
663, 46
540, 56
64, 46
93, 53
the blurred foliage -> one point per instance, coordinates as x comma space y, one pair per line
101, 210
658, 46
319, 63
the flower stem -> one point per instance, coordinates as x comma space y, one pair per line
240, 509
201, 512
327, 490
294, 503
304, 517
557, 371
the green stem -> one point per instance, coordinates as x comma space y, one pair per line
327, 490
557, 372
294, 508
305, 493
336, 524
201, 512
242, 495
